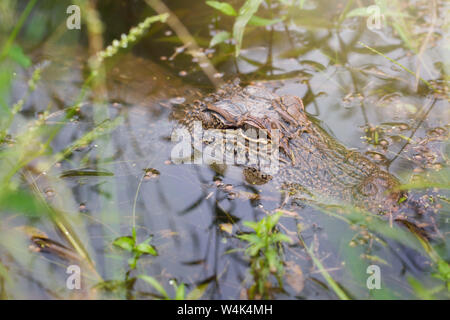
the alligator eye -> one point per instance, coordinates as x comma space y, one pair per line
368, 189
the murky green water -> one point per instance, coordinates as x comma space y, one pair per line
315, 53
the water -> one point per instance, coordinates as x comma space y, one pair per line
184, 207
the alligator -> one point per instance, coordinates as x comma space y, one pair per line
313, 165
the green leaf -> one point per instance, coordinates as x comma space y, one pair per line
273, 220
419, 289
254, 250
16, 53
23, 202
147, 249
127, 243
223, 7
251, 225
262, 22
198, 292
245, 14
280, 237
219, 38
180, 293
358, 12
251, 238
444, 269
155, 284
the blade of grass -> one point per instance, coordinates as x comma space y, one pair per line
155, 284
64, 227
333, 284
398, 64
16, 29
197, 292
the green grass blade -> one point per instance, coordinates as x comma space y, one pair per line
333, 284
398, 64
246, 12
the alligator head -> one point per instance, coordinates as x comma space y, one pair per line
312, 163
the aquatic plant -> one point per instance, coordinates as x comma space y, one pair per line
265, 253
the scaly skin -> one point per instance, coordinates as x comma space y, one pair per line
312, 164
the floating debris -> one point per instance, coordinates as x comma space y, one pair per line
82, 207
376, 156
85, 173
294, 276
151, 173
227, 227
49, 192
384, 143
